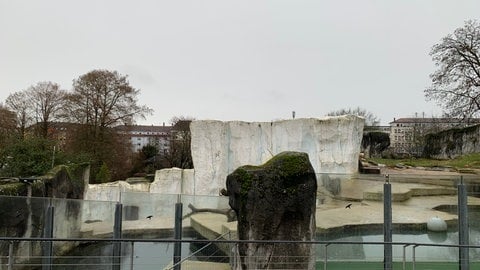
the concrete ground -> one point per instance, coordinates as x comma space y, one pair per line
416, 194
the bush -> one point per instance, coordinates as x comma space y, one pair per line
26, 157
103, 175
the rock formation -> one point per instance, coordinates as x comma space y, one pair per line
374, 143
333, 145
275, 201
452, 143
24, 216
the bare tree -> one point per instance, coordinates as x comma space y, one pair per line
456, 82
47, 101
103, 98
7, 124
100, 100
19, 103
370, 119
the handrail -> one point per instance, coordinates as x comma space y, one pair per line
199, 250
171, 240
132, 241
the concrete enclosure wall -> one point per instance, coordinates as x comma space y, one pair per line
218, 148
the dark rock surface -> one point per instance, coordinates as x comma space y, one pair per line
374, 143
275, 201
23, 205
452, 143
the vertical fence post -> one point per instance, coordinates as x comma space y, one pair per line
387, 224
326, 257
404, 263
463, 237
10, 256
117, 234
413, 257
132, 251
177, 249
48, 233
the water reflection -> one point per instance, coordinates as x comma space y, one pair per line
144, 255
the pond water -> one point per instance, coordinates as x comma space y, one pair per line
375, 252
159, 255
145, 255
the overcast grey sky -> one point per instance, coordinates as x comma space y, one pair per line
249, 60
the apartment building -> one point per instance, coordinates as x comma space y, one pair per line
142, 135
138, 135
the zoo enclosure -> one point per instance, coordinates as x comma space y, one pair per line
50, 215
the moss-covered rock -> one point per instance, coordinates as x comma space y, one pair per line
452, 143
275, 201
22, 204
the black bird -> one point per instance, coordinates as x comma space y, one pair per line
349, 206
149, 217
223, 192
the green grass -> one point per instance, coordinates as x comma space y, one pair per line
471, 161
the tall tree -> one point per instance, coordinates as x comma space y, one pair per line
47, 100
100, 100
7, 125
19, 103
370, 119
456, 83
103, 98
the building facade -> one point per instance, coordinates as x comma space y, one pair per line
143, 135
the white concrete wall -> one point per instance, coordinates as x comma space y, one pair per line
218, 148
173, 181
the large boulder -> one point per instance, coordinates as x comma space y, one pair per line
275, 201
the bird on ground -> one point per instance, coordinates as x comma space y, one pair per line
149, 217
223, 192
26, 181
349, 206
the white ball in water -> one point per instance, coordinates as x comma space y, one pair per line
437, 224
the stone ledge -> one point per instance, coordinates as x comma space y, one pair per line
404, 193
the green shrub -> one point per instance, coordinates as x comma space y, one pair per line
103, 175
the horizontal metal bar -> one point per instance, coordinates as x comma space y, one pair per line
171, 240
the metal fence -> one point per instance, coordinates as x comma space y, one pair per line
145, 231
407, 259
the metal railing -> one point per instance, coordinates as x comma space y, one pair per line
322, 260
37, 217
199, 250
